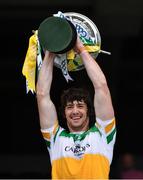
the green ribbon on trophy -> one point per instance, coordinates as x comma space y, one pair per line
58, 34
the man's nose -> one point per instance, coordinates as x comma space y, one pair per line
75, 110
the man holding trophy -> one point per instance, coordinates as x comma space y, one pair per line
82, 150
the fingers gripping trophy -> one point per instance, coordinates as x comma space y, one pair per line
58, 34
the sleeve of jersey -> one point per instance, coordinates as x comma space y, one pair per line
107, 129
49, 133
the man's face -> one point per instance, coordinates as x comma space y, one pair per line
76, 115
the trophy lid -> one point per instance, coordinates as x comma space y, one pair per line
57, 35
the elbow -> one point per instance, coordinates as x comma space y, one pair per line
41, 91
101, 84
103, 88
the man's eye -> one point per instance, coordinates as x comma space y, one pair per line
69, 107
80, 106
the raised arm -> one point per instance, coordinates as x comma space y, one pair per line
47, 110
102, 98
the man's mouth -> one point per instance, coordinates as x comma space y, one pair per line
76, 118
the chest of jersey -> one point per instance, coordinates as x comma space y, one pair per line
80, 159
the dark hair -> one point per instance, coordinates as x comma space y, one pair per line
77, 94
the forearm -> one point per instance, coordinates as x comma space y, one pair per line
93, 70
45, 75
